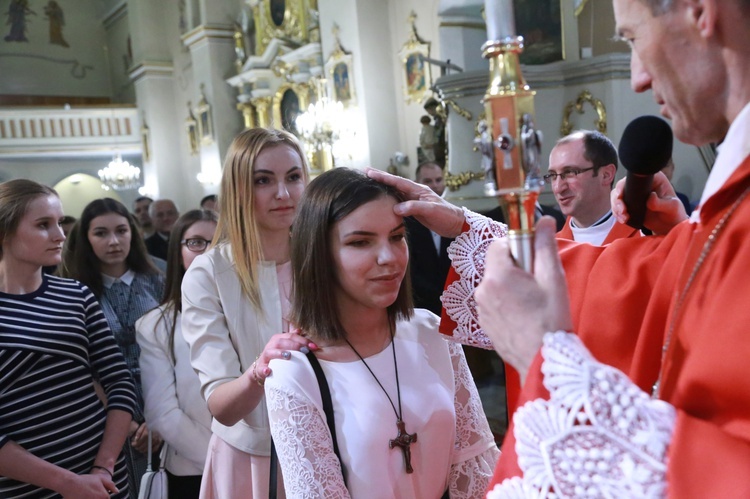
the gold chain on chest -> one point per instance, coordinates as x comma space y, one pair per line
707, 247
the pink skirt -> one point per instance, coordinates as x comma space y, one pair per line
233, 474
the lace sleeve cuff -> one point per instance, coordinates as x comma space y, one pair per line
599, 434
304, 446
467, 255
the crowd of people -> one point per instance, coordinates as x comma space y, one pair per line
284, 328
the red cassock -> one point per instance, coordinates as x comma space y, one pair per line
628, 296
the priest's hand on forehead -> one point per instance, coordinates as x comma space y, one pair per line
422, 203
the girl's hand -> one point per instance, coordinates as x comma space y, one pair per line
278, 347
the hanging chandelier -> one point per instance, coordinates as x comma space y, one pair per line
120, 175
321, 126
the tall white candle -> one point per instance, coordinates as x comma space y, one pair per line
501, 22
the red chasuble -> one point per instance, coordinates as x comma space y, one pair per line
623, 300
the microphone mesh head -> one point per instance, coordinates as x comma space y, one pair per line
646, 145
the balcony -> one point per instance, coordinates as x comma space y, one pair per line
27, 132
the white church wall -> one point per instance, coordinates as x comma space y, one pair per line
120, 57
428, 28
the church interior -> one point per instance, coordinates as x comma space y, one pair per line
130, 98
160, 88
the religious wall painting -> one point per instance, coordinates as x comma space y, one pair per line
539, 22
339, 71
278, 11
17, 12
415, 70
289, 110
205, 125
283, 19
18, 18
56, 17
288, 103
341, 82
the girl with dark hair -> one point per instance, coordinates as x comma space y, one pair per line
109, 256
408, 421
57, 439
235, 307
174, 406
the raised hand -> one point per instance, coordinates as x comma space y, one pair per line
422, 203
664, 209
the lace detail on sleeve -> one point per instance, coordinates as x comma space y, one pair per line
598, 435
467, 254
303, 444
475, 452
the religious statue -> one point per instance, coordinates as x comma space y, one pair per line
427, 141
239, 47
483, 143
531, 140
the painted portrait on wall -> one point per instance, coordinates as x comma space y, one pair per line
290, 109
342, 91
415, 78
539, 22
416, 72
339, 70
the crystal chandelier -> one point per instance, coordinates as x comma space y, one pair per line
321, 126
120, 175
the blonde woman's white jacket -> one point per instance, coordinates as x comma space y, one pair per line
226, 333
171, 391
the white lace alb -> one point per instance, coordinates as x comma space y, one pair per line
467, 254
599, 435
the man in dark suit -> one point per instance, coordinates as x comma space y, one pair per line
429, 256
164, 214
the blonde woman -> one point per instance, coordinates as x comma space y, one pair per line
235, 305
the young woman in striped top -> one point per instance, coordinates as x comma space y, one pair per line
57, 439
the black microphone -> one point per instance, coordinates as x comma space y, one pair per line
645, 148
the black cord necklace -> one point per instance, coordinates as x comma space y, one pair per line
403, 439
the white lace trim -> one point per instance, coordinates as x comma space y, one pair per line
474, 449
467, 253
317, 472
598, 435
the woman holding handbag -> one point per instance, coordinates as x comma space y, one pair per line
235, 304
407, 419
174, 406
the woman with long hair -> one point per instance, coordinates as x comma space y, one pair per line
235, 306
171, 390
57, 439
109, 256
407, 419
